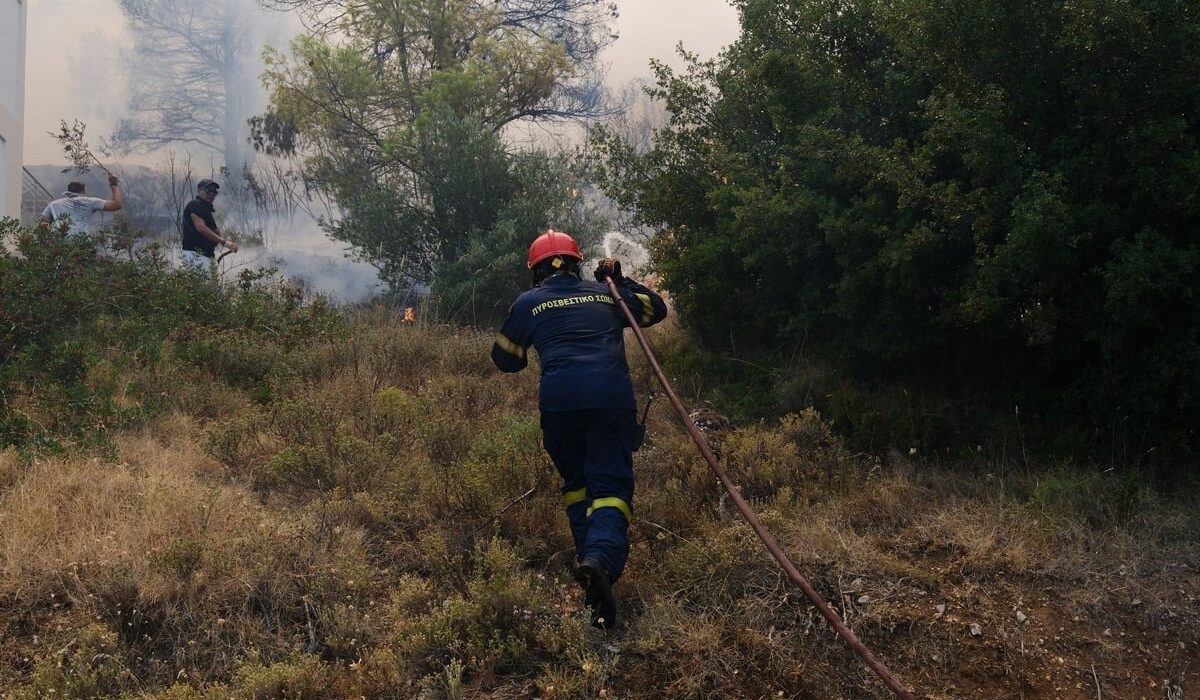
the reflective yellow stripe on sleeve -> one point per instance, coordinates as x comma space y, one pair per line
612, 502
509, 346
570, 498
647, 310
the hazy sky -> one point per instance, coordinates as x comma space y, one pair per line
652, 28
75, 43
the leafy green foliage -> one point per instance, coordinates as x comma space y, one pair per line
401, 121
78, 328
991, 206
477, 286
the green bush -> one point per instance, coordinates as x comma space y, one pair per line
302, 678
91, 343
90, 665
998, 229
495, 626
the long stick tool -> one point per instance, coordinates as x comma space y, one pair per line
70, 139
773, 547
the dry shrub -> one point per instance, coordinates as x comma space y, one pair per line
378, 673
90, 665
383, 356
242, 442
882, 500
498, 625
465, 398
192, 572
310, 415
587, 668
240, 358
538, 526
409, 595
814, 438
394, 412
781, 466
12, 468
714, 572
301, 676
409, 356
673, 459
471, 474
792, 455
346, 462
39, 406
378, 515
465, 352
509, 451
760, 461
977, 540
107, 378
314, 361
170, 382
517, 486
309, 441
345, 630
182, 691
684, 654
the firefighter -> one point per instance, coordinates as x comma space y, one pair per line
588, 412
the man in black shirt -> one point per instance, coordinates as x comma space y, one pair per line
200, 234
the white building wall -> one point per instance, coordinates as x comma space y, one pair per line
12, 104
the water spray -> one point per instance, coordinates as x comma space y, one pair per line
619, 245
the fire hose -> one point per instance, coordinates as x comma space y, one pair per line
767, 538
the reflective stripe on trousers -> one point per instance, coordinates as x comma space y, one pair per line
592, 450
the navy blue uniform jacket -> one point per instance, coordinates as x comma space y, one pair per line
576, 328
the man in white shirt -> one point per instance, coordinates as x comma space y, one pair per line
73, 211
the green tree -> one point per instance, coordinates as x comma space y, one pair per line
401, 111
964, 195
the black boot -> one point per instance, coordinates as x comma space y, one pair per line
598, 595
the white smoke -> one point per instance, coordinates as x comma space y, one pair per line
632, 254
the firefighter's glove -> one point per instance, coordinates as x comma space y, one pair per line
609, 267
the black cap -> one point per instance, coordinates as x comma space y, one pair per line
208, 185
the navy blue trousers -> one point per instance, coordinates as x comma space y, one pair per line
593, 452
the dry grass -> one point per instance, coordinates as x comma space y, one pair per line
162, 551
386, 525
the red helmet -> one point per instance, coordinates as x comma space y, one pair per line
553, 243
